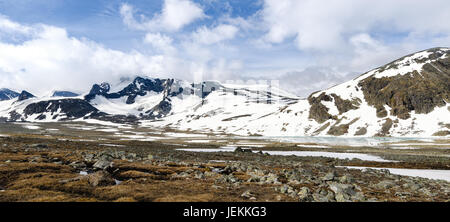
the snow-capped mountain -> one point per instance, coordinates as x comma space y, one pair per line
407, 97
7, 94
64, 94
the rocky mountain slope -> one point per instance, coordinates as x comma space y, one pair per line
407, 97
7, 94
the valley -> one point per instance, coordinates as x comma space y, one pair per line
80, 161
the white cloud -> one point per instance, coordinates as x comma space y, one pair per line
51, 59
160, 42
12, 27
327, 25
217, 34
174, 16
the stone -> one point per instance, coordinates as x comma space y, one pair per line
199, 175
329, 176
78, 165
346, 179
304, 194
247, 194
242, 150
100, 178
103, 164
385, 184
284, 189
343, 192
39, 146
411, 185
278, 198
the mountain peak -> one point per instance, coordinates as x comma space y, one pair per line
7, 94
24, 95
64, 94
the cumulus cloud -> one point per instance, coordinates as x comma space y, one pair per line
316, 25
217, 34
51, 59
160, 42
174, 16
12, 27
307, 45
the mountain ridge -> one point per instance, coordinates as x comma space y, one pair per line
407, 97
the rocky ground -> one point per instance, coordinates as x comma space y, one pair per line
39, 168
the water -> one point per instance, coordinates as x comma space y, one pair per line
343, 141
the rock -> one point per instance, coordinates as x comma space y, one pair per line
247, 194
402, 194
329, 176
227, 179
329, 197
270, 179
306, 172
254, 178
278, 198
78, 165
39, 146
343, 192
411, 185
304, 194
150, 157
210, 174
89, 157
284, 189
131, 156
199, 175
242, 150
100, 178
216, 187
103, 164
347, 178
359, 196
427, 192
342, 197
385, 184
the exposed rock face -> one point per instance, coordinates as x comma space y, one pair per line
344, 105
386, 101
6, 94
339, 130
139, 87
72, 108
25, 95
415, 84
414, 91
385, 127
318, 111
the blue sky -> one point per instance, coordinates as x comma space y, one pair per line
305, 44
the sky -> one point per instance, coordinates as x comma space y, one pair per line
306, 45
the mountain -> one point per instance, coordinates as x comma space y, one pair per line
407, 97
24, 95
7, 94
64, 94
